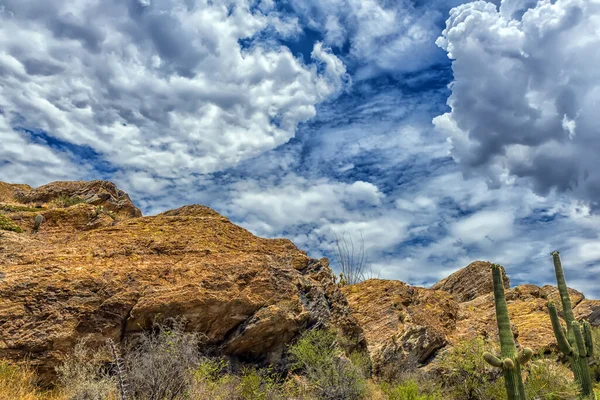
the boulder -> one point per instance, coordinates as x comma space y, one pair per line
249, 296
470, 282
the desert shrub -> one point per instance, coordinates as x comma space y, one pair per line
14, 208
84, 374
17, 382
466, 375
162, 361
318, 356
213, 383
7, 224
549, 380
410, 389
67, 201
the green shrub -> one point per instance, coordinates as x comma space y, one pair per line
409, 390
466, 375
318, 356
14, 208
7, 224
67, 201
549, 380
213, 383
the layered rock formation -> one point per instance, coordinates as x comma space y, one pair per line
403, 325
78, 278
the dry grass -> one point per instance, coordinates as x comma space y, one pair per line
18, 383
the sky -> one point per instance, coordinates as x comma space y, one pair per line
440, 132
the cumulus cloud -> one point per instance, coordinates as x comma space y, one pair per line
165, 87
525, 94
392, 37
36, 165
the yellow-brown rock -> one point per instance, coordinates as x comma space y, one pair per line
470, 282
528, 316
403, 325
112, 278
589, 310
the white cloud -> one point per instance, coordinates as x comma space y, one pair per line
383, 36
525, 94
484, 226
35, 165
163, 86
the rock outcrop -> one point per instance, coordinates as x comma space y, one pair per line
75, 279
470, 282
403, 325
97, 193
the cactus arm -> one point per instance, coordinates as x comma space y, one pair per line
581, 349
559, 332
561, 283
492, 360
524, 356
589, 342
508, 363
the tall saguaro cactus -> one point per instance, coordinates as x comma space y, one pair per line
510, 361
576, 345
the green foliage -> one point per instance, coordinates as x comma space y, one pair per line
409, 390
7, 224
318, 356
67, 201
15, 208
214, 383
467, 376
549, 380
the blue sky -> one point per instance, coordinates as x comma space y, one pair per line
441, 132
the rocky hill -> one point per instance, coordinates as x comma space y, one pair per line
98, 269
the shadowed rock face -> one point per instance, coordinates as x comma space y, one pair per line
249, 296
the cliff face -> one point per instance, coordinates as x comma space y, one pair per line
107, 272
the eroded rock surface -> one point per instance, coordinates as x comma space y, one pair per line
403, 325
470, 282
250, 296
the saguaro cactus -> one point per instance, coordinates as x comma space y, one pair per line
576, 345
510, 361
37, 222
